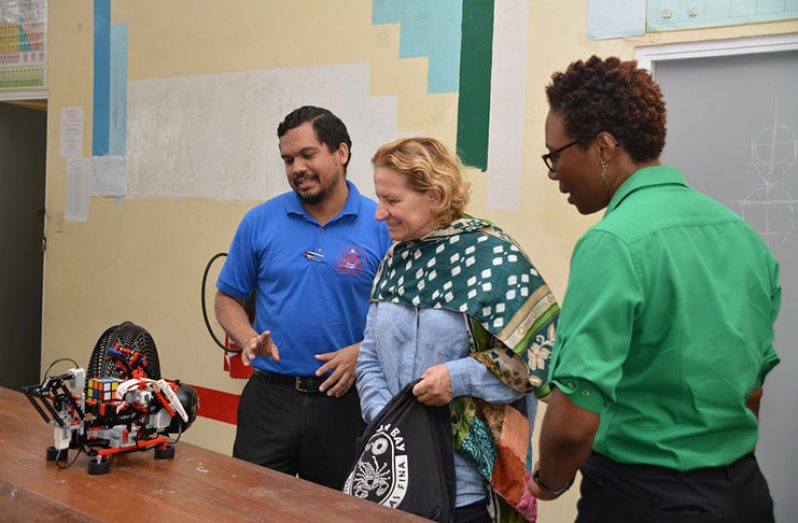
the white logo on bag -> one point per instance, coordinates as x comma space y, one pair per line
381, 471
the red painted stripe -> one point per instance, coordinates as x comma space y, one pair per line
217, 405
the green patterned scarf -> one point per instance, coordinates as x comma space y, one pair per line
472, 266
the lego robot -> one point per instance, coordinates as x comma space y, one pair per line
122, 405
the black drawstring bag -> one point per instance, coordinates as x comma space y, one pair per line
405, 459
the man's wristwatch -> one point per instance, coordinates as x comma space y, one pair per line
556, 492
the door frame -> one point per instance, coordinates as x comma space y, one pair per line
13, 95
23, 94
648, 56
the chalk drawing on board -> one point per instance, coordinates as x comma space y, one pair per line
770, 208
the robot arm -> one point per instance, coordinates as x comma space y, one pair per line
138, 394
63, 399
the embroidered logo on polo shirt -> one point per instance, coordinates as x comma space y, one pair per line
350, 260
380, 473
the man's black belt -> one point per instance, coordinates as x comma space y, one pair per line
307, 384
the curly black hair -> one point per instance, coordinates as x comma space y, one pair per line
614, 96
330, 130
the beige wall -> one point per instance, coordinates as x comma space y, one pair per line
141, 259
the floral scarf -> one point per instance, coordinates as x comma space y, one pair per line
472, 266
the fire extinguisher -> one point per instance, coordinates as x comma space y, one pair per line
232, 352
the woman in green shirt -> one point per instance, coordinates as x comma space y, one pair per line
666, 330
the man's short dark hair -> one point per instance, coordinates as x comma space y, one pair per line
330, 130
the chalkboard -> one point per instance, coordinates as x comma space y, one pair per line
732, 124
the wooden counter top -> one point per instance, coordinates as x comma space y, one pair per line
197, 485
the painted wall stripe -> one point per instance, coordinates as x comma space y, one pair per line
102, 76
427, 29
507, 100
118, 91
173, 153
217, 405
473, 113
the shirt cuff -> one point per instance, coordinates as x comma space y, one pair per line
372, 411
231, 291
582, 393
767, 366
460, 375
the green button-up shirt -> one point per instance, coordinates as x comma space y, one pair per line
667, 325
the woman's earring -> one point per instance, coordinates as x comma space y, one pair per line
604, 174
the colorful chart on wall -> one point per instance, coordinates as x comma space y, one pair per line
23, 38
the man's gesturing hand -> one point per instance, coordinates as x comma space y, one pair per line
259, 345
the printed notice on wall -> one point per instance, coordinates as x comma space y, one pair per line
79, 173
23, 39
109, 176
71, 134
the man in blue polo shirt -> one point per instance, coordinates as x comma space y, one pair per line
310, 255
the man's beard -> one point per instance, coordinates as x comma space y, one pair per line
314, 198
310, 198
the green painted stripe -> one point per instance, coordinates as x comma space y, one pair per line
473, 110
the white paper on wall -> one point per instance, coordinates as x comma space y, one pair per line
70, 137
109, 176
79, 173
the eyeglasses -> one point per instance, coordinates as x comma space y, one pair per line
550, 159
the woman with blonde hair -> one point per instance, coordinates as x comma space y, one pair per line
457, 304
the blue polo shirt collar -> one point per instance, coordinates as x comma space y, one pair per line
293, 204
646, 177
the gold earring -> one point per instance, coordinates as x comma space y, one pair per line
604, 174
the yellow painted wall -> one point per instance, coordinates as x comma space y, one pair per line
141, 259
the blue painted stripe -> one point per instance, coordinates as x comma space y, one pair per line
118, 101
432, 29
102, 76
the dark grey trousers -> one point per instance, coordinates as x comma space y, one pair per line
618, 493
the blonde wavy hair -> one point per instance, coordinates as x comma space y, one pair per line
425, 163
